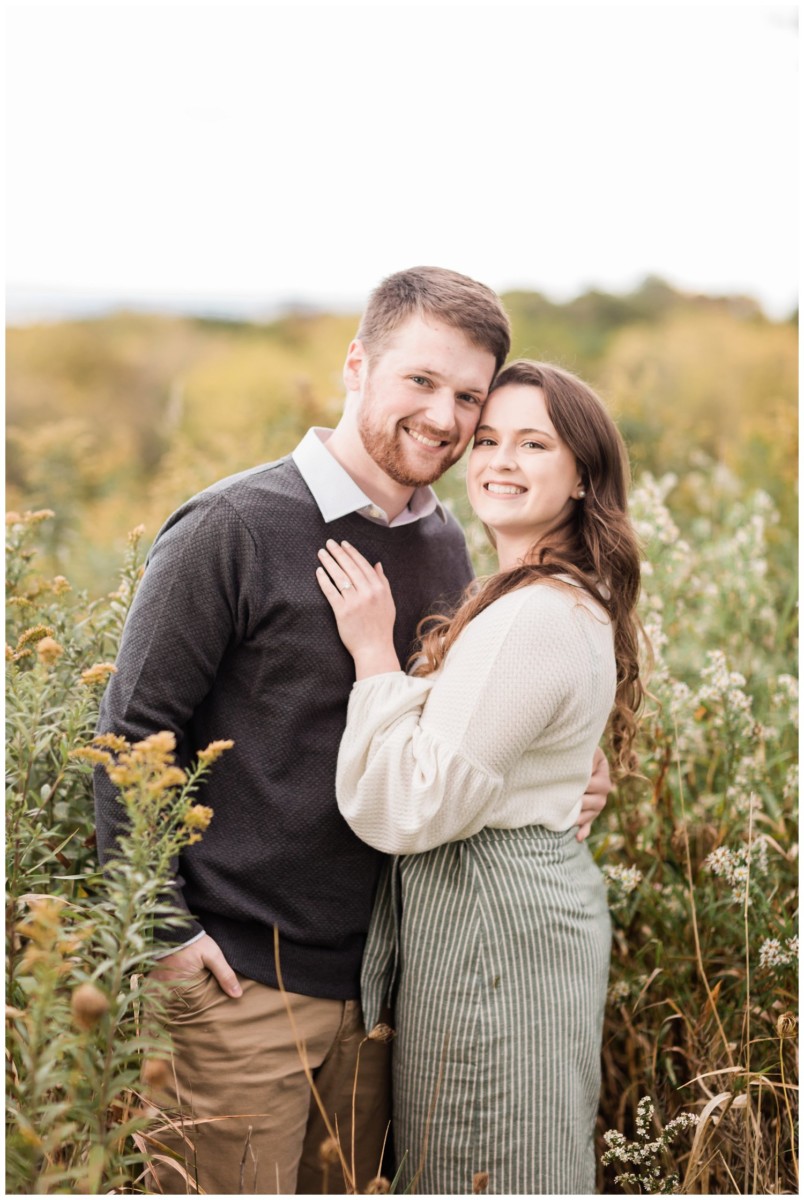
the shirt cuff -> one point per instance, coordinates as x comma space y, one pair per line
183, 946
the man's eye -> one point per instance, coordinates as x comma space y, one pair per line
420, 379
469, 398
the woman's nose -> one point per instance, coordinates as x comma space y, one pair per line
502, 459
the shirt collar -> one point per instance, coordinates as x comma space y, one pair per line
337, 494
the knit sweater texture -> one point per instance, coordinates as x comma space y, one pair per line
501, 736
230, 636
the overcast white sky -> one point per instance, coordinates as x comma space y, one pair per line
221, 155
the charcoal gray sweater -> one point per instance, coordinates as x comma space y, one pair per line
230, 637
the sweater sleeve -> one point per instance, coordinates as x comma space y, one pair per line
190, 604
423, 760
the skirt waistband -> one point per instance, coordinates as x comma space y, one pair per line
526, 833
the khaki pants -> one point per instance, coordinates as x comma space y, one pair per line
237, 1062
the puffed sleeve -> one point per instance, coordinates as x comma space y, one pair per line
423, 760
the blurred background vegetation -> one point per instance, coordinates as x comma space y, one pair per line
116, 420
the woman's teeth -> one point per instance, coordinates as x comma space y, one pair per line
503, 489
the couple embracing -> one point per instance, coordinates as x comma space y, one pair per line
414, 772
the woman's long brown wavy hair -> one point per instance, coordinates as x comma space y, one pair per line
596, 545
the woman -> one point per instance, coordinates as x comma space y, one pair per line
491, 935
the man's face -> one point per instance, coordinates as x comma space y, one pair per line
420, 398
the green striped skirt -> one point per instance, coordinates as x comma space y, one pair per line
493, 954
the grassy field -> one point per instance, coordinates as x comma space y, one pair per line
700, 852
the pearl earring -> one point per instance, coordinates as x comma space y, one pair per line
581, 493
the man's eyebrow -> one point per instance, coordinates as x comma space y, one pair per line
474, 389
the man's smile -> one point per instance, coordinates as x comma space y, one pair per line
423, 439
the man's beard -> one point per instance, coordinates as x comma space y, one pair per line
388, 449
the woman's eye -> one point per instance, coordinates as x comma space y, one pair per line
533, 445
482, 442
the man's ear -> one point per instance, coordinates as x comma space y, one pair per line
356, 360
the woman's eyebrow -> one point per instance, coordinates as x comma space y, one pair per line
518, 432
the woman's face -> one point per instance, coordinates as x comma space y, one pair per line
522, 479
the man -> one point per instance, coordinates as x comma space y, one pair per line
230, 637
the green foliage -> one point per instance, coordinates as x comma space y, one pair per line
78, 1033
701, 856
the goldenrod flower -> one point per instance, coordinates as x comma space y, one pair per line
114, 741
60, 584
13, 518
122, 775
198, 816
136, 533
98, 674
49, 651
170, 777
34, 634
90, 754
214, 750
163, 742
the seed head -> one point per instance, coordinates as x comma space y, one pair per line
379, 1186
329, 1152
382, 1033
88, 1005
786, 1025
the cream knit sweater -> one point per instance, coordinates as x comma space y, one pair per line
503, 734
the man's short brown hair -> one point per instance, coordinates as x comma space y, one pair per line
454, 299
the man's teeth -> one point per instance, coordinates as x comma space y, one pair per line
504, 489
425, 441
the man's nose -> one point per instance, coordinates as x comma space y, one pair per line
440, 409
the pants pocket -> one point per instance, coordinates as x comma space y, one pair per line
182, 996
